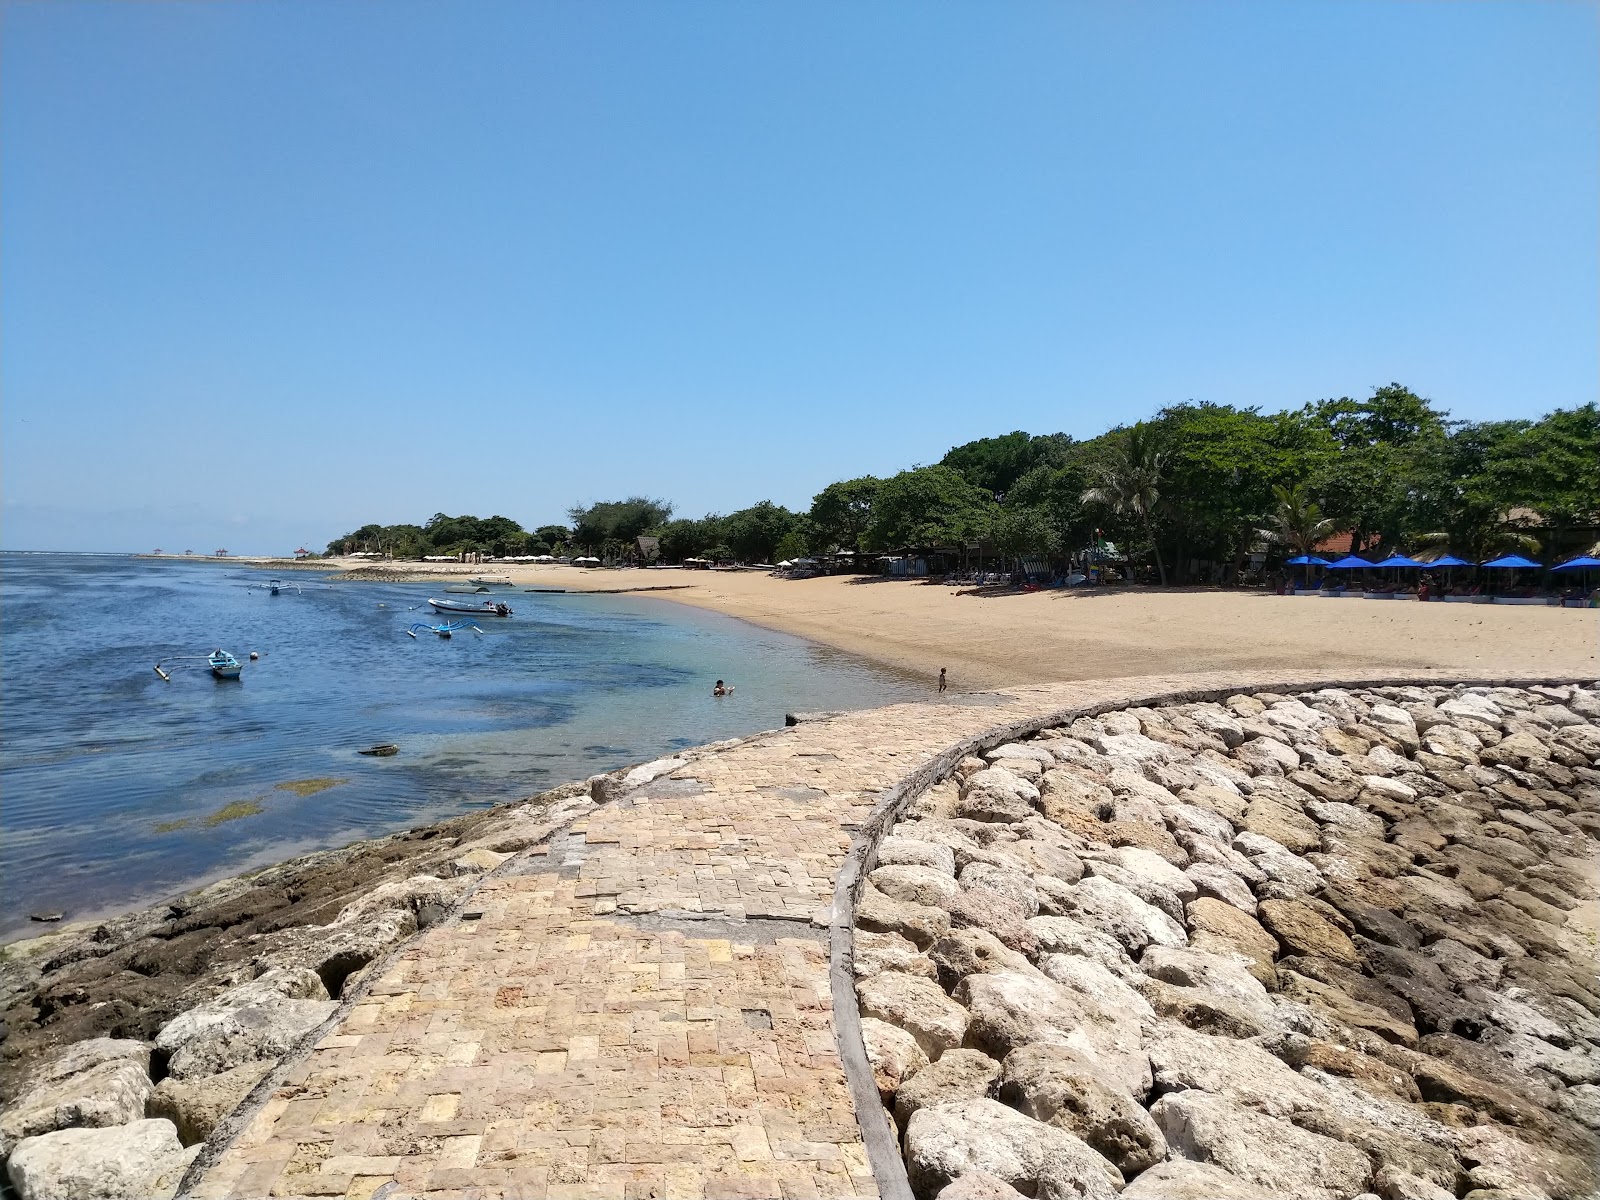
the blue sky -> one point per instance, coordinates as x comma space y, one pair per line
271, 270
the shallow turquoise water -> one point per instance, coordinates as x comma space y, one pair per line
100, 760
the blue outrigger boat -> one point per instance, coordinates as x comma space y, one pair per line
221, 664
443, 631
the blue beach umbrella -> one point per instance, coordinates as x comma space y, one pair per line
1349, 562
1308, 560
1449, 560
1399, 560
1512, 562
1578, 564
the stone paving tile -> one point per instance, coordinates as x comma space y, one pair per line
580, 1042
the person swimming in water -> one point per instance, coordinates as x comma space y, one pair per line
721, 689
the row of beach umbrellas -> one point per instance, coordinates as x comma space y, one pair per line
1507, 562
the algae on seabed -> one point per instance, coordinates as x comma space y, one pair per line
309, 787
232, 812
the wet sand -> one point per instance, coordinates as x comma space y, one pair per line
995, 639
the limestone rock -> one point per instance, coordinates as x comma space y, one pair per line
197, 1106
1209, 879
1226, 975
477, 862
997, 794
1096, 981
1181, 1179
1260, 1149
918, 923
1301, 930
980, 1185
1068, 935
893, 1054
1118, 912
917, 1005
1222, 929
958, 1075
142, 1159
981, 908
963, 952
201, 1045
1059, 1086
915, 885
1181, 1059
1010, 1010
92, 1084
1014, 885
874, 953
948, 1141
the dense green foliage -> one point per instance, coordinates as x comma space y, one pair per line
1194, 483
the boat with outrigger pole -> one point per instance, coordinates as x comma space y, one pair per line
445, 631
488, 608
221, 664
274, 586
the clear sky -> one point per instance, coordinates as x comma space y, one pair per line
271, 270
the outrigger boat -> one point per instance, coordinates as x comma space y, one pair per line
489, 608
491, 580
222, 664
443, 631
273, 586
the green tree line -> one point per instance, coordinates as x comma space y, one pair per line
1193, 482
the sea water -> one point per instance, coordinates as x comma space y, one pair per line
118, 787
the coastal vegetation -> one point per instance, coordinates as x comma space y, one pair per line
1195, 482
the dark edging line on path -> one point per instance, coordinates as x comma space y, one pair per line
878, 1132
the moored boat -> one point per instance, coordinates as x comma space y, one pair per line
488, 608
223, 665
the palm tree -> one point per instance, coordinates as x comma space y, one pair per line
1299, 518
1130, 483
1483, 535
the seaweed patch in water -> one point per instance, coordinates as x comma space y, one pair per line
308, 787
171, 826
232, 812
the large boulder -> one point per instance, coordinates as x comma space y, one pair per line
963, 952
1061, 1087
958, 1075
1260, 1149
1183, 1060
1009, 1010
872, 953
907, 850
917, 1005
1220, 928
1117, 911
892, 1053
197, 1106
1301, 929
918, 923
92, 1084
997, 794
1068, 935
142, 1159
915, 885
212, 1040
1181, 1179
951, 1140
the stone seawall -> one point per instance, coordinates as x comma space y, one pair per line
1250, 944
622, 990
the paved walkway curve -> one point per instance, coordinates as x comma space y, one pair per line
640, 1008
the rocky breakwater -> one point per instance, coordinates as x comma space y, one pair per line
125, 1043
1329, 945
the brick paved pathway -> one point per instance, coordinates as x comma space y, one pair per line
641, 1009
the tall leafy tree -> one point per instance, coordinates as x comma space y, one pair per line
1129, 483
928, 506
841, 513
995, 464
754, 533
1297, 518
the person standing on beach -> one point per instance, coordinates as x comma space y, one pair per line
942, 683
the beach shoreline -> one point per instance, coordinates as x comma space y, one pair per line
989, 639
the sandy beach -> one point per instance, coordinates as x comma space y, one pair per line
993, 640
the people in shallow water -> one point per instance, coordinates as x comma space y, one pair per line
722, 689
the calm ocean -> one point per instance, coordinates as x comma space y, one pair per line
118, 788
